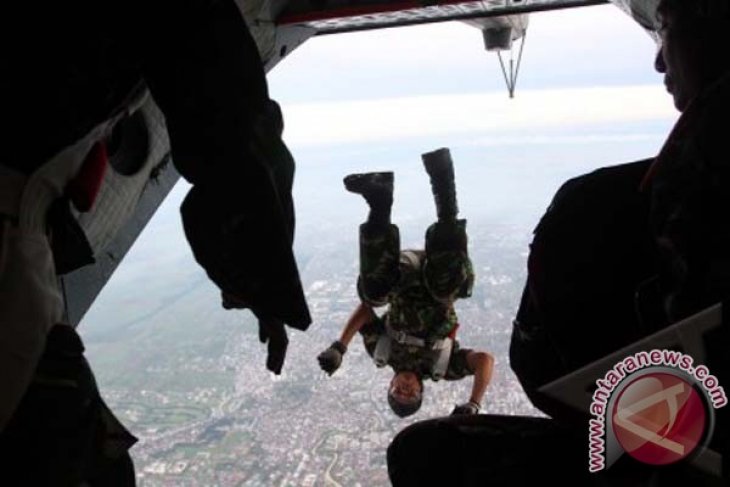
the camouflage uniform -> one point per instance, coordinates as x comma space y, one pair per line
420, 288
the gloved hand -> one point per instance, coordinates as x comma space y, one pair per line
330, 359
271, 330
467, 408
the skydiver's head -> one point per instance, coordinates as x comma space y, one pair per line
405, 393
695, 46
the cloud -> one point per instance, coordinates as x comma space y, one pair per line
595, 138
362, 121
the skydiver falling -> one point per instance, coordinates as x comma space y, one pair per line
416, 334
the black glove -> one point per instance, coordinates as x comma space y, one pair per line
330, 359
467, 408
270, 329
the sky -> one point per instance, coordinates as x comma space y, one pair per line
581, 68
587, 96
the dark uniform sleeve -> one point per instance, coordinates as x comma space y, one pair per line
206, 75
458, 367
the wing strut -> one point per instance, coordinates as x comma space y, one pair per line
514, 68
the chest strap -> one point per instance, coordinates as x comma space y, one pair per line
405, 339
440, 355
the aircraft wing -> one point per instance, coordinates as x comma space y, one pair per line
336, 16
131, 195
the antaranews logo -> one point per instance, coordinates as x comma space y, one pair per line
655, 406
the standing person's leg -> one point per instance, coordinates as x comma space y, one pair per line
62, 432
379, 239
448, 270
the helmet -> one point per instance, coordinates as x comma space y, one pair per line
403, 409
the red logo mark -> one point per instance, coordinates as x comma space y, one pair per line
659, 418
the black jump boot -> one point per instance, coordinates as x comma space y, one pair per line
377, 189
440, 170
